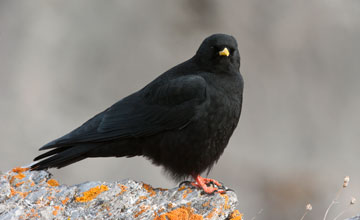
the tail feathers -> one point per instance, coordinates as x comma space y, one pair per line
49, 153
63, 156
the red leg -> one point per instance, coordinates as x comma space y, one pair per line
201, 183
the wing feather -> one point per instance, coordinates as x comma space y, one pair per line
160, 106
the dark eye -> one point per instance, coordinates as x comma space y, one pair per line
231, 50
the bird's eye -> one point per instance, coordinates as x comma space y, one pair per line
231, 51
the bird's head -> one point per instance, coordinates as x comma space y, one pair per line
219, 53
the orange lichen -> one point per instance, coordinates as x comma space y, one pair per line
162, 189
56, 210
19, 169
170, 205
142, 210
65, 201
161, 210
123, 188
14, 192
141, 198
211, 214
226, 197
149, 189
183, 213
52, 182
92, 193
31, 215
181, 188
12, 180
24, 194
50, 198
206, 204
19, 176
19, 183
156, 215
235, 215
186, 193
32, 184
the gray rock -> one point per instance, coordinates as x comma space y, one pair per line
354, 218
28, 194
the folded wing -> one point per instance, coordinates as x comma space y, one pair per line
162, 105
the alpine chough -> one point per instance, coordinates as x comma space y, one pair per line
182, 120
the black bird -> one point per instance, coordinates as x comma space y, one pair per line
182, 120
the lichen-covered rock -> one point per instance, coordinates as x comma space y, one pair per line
28, 194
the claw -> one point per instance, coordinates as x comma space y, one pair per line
185, 183
212, 181
222, 191
223, 187
209, 186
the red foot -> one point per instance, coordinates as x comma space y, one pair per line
201, 183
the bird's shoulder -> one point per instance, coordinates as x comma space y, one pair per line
175, 86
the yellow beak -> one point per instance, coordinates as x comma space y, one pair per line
224, 52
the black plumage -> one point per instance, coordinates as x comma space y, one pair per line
182, 120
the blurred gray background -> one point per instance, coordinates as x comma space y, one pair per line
61, 62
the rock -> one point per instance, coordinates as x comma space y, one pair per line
28, 194
354, 218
